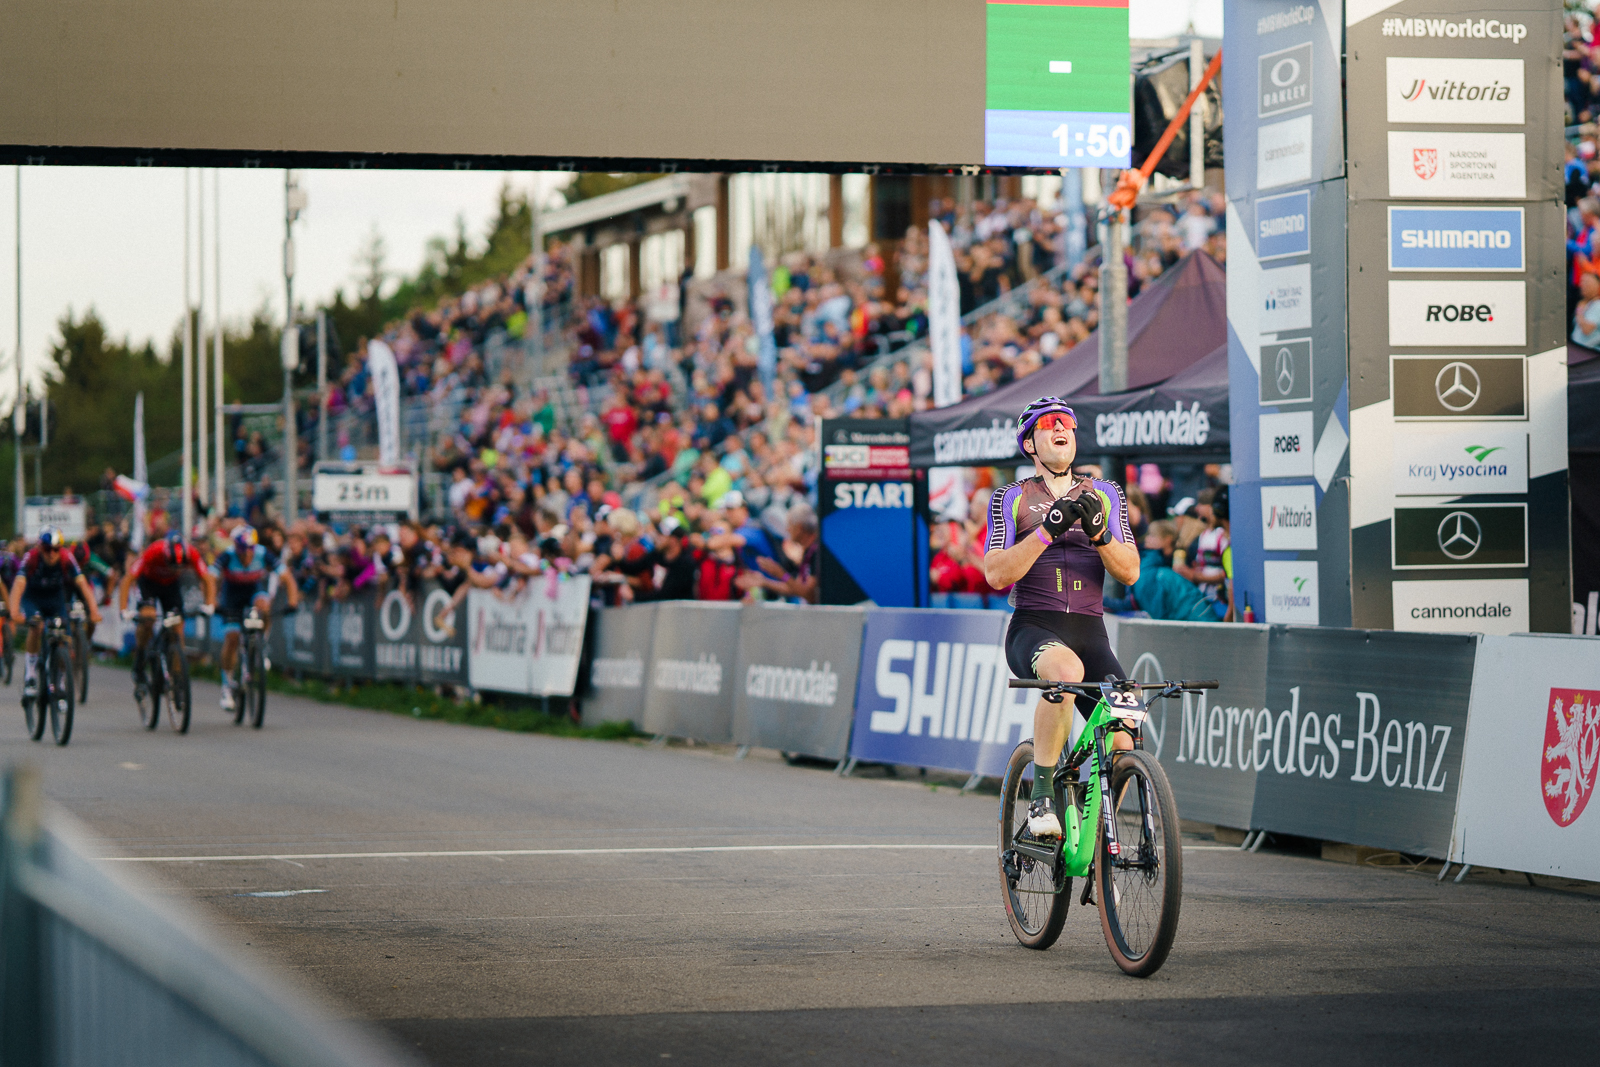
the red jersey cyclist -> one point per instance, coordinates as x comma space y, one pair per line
1054, 537
158, 571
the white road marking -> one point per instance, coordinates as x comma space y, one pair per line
281, 893
291, 857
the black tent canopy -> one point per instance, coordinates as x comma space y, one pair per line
1177, 365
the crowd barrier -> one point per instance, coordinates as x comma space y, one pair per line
1479, 750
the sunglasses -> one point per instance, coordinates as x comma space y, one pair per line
1056, 421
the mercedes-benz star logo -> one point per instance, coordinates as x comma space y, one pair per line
1285, 371
1459, 535
1457, 386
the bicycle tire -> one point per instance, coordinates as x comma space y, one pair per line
80, 660
33, 712
8, 654
177, 689
63, 694
149, 700
241, 688
258, 683
1139, 940
1035, 911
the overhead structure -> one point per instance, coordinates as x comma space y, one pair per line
568, 84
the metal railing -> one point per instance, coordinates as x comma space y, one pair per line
92, 973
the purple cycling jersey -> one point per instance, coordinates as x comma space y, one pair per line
1069, 575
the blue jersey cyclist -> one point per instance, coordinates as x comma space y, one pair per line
248, 575
46, 577
1053, 538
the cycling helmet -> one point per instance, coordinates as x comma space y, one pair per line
175, 546
1035, 411
50, 537
245, 537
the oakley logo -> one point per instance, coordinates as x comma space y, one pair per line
1284, 372
1460, 535
1457, 386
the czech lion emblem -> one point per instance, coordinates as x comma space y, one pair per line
1425, 161
1571, 749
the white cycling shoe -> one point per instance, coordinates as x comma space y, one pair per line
227, 698
1042, 819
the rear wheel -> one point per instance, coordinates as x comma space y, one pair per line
62, 693
1036, 894
8, 654
176, 695
1141, 890
33, 709
257, 683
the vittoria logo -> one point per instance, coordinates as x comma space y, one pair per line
1453, 90
1571, 749
1476, 91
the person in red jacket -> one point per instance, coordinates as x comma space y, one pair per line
158, 572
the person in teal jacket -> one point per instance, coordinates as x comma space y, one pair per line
1162, 592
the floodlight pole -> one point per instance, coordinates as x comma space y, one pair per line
19, 409
1113, 305
322, 384
202, 459
1197, 124
293, 202
219, 499
185, 483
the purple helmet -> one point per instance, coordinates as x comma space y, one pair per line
1035, 411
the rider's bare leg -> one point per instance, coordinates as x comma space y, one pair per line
230, 652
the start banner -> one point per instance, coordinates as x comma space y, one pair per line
1531, 758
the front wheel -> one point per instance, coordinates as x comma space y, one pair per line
80, 660
1036, 894
1141, 890
176, 688
61, 694
257, 685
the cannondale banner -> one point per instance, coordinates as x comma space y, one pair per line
1458, 410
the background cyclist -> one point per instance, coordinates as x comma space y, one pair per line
1054, 537
158, 571
249, 576
45, 578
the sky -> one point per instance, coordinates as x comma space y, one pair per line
112, 238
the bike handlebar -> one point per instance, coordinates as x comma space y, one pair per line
1039, 683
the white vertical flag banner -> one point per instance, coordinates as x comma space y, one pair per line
386, 395
944, 317
141, 473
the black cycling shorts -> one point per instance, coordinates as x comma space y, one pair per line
1031, 632
168, 595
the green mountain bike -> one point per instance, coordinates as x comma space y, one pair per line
1129, 851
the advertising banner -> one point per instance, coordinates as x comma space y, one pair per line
305, 640
529, 641
1455, 244
689, 686
349, 636
795, 680
1533, 745
1361, 736
420, 638
1203, 739
933, 693
622, 642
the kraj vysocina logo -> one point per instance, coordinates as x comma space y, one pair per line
1571, 749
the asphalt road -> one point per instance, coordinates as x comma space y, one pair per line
494, 898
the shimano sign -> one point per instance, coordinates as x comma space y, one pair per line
1283, 225
1453, 239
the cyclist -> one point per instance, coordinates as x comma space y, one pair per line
157, 571
1054, 537
45, 577
249, 575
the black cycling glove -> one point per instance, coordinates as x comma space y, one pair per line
1090, 510
1059, 519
